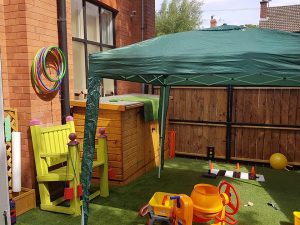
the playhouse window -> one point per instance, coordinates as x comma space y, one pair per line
92, 31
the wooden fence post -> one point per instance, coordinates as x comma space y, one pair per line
229, 121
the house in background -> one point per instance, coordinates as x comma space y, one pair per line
285, 18
92, 26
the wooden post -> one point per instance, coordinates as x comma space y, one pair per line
70, 121
73, 168
229, 121
102, 156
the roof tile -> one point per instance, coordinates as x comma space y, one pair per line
283, 18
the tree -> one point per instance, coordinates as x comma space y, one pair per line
177, 16
251, 26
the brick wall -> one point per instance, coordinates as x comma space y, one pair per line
149, 19
41, 24
130, 31
18, 73
26, 26
3, 55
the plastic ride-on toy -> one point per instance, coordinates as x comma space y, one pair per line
207, 202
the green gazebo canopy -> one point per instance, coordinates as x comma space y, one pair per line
226, 55
221, 56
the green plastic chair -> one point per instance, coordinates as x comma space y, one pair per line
55, 161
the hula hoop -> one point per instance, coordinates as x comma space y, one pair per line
39, 69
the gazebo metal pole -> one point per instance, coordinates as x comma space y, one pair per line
163, 109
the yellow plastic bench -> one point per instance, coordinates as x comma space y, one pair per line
58, 159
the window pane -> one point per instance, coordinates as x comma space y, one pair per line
77, 19
92, 22
108, 84
92, 49
106, 49
109, 87
107, 27
79, 67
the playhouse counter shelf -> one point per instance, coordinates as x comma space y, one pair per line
133, 144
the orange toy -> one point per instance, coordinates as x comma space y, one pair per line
172, 143
210, 203
183, 210
211, 166
207, 202
252, 175
252, 171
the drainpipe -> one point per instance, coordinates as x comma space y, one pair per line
62, 39
142, 37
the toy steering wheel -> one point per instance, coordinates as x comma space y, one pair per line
232, 194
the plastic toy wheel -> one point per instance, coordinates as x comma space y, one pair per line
231, 220
234, 201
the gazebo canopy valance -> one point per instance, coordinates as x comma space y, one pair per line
226, 55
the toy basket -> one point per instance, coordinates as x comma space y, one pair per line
161, 204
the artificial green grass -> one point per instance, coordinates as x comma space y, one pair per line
179, 176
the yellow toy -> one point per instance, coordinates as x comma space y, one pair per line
207, 202
162, 204
278, 161
297, 218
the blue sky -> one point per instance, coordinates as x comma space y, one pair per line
235, 12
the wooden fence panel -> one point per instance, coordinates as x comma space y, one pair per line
260, 144
193, 140
268, 106
198, 104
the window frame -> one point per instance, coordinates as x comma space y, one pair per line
86, 42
